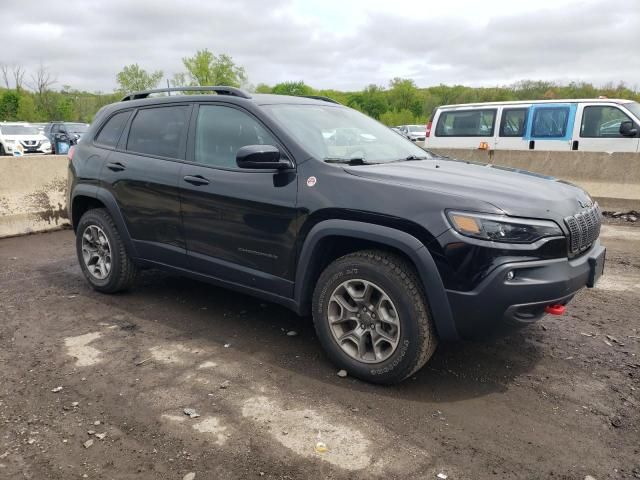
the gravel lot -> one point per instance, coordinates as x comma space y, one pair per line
560, 399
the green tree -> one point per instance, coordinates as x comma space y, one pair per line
9, 104
401, 117
132, 78
403, 95
263, 88
292, 88
205, 68
27, 109
371, 100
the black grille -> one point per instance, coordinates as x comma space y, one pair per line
584, 229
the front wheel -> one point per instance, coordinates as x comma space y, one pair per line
372, 317
102, 254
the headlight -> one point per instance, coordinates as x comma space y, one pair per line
46, 145
500, 228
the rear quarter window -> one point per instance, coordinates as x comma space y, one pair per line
110, 133
466, 123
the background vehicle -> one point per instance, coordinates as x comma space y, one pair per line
388, 247
66, 132
598, 125
26, 135
414, 133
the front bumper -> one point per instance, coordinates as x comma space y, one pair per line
497, 302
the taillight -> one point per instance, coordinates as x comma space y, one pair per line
428, 129
72, 149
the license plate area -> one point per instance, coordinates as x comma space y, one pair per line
596, 268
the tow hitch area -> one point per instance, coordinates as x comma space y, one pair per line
554, 309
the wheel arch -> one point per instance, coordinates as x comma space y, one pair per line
330, 239
87, 197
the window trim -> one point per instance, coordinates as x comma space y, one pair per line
124, 139
191, 141
584, 108
544, 108
95, 141
503, 117
493, 123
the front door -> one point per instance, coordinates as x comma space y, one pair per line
143, 174
550, 126
240, 225
600, 130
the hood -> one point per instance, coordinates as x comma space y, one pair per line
516, 192
37, 137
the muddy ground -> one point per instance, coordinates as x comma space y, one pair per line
560, 399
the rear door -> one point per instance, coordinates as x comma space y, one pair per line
464, 128
142, 174
239, 223
550, 126
599, 129
513, 128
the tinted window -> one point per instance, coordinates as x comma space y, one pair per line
602, 122
466, 123
221, 131
550, 122
514, 122
110, 133
159, 131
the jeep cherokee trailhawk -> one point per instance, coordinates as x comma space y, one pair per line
312, 205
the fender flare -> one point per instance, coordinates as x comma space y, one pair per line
109, 201
406, 243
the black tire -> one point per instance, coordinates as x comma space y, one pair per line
399, 281
2, 150
124, 272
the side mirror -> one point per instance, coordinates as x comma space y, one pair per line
628, 129
264, 157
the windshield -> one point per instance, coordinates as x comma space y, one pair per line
335, 133
417, 128
77, 127
634, 107
19, 130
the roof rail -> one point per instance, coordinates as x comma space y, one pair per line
320, 97
221, 90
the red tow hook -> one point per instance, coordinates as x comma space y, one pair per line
554, 309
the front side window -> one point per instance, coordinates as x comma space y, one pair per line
550, 122
514, 122
222, 131
110, 133
159, 131
466, 123
602, 121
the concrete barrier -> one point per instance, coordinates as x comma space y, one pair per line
33, 198
613, 179
32, 194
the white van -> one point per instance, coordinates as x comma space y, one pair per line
598, 125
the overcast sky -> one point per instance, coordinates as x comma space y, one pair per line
342, 44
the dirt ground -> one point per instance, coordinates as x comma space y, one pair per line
559, 400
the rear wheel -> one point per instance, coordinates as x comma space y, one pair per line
372, 317
102, 254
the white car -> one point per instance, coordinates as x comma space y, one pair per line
22, 138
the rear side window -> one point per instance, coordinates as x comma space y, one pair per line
159, 131
602, 121
466, 123
222, 131
550, 122
513, 122
110, 133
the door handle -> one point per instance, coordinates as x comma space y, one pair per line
574, 145
196, 180
116, 166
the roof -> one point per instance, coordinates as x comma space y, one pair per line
529, 102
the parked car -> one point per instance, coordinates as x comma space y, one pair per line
596, 125
389, 248
68, 133
20, 137
414, 133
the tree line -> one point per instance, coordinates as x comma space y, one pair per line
33, 97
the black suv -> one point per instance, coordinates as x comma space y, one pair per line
390, 248
65, 132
